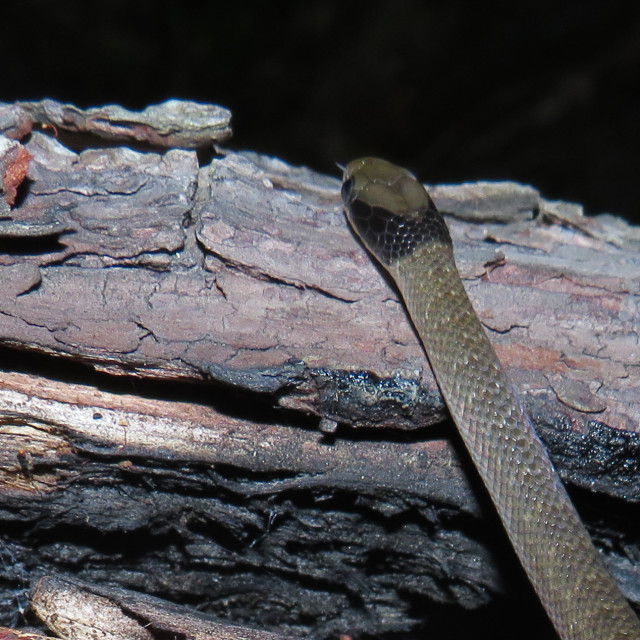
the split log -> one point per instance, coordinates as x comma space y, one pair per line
209, 393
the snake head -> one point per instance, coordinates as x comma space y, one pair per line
389, 210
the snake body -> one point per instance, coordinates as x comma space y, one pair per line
394, 217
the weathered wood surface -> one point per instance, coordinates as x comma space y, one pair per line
235, 300
78, 611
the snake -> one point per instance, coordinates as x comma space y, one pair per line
397, 222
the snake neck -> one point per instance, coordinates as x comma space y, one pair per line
549, 538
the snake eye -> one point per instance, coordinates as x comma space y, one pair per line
347, 191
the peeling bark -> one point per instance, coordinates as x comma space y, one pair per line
211, 394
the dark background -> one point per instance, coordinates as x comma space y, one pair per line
544, 93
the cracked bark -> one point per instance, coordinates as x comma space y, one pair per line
210, 394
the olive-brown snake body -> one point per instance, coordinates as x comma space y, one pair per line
396, 220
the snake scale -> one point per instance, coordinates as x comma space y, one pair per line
395, 219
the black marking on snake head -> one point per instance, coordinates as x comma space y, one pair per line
391, 236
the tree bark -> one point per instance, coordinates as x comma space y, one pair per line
209, 393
